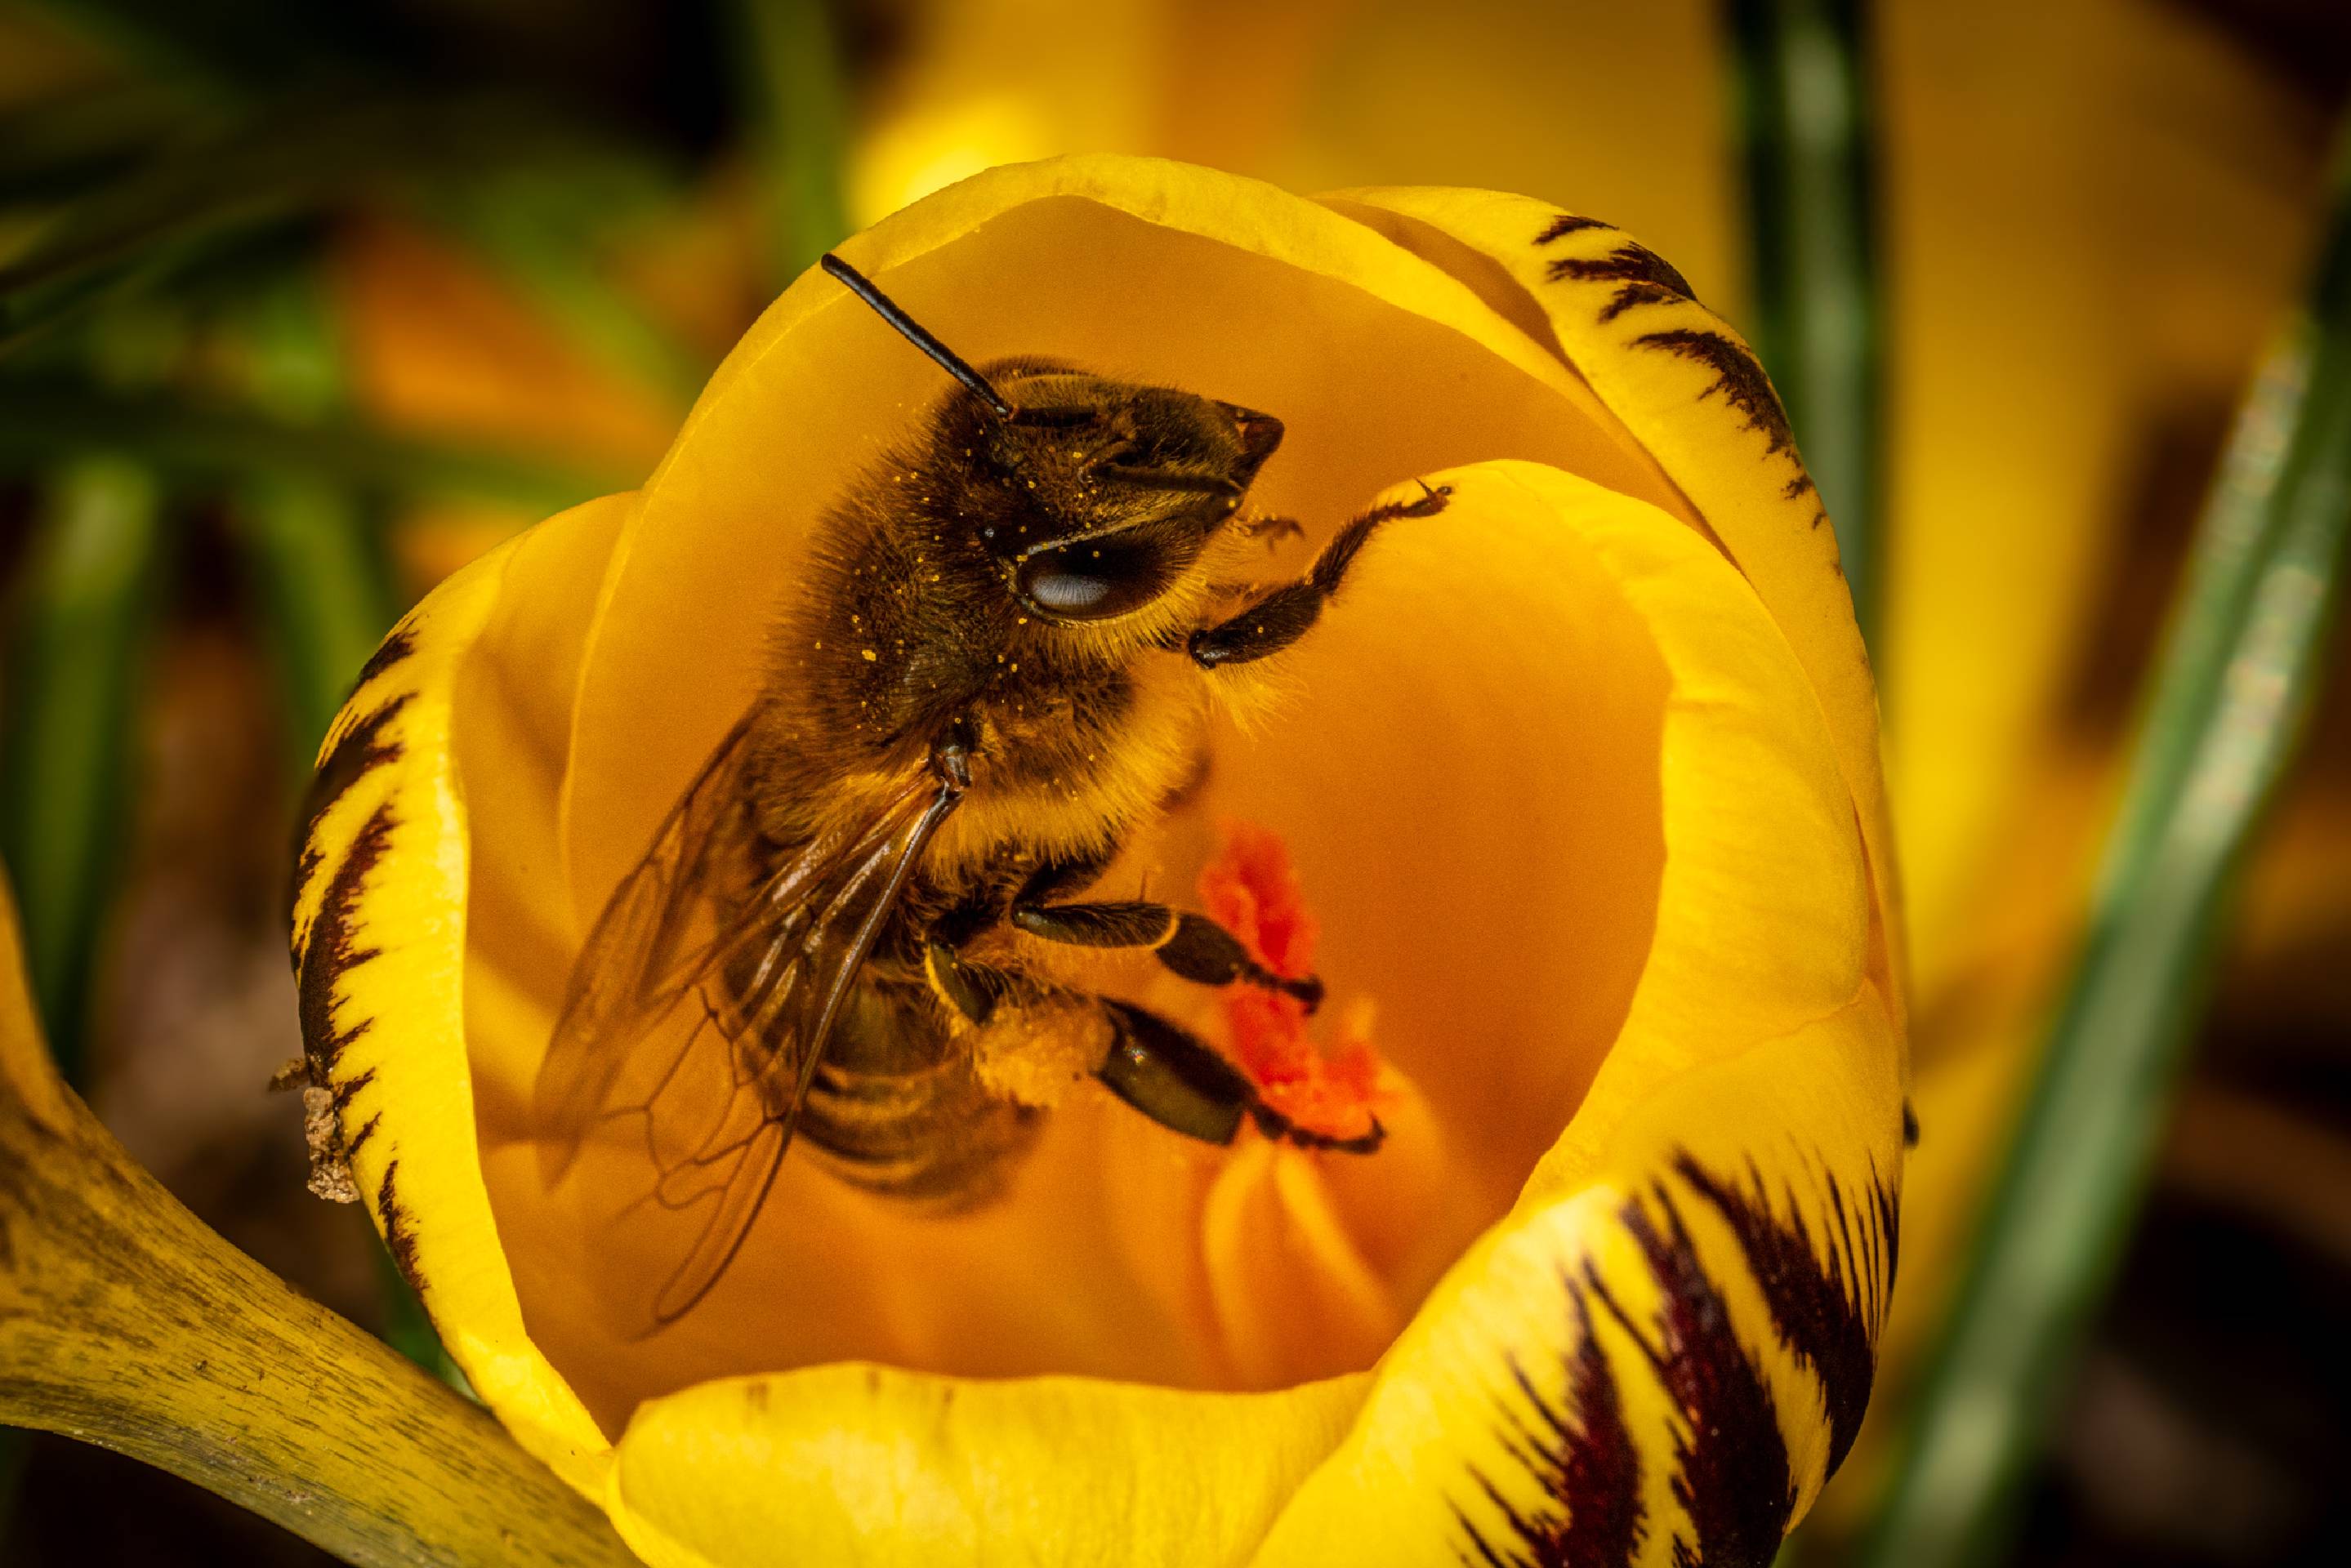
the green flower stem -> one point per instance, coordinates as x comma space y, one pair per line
65, 740
797, 110
1801, 68
125, 1322
2244, 660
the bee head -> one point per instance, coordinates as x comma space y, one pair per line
1110, 491
1105, 493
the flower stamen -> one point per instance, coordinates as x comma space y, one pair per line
1330, 1096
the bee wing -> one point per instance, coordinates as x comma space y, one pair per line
657, 931
702, 1004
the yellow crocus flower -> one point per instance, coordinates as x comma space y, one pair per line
1582, 773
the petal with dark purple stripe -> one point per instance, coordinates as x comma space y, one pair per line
1827, 1309
1578, 1451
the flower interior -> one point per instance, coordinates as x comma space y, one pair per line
1453, 801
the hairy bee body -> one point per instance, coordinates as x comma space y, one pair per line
999, 664
1082, 733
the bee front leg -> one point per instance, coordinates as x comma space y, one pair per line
1284, 615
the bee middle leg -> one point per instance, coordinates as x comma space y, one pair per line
1191, 946
1285, 615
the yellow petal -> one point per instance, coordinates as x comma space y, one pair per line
1737, 1151
1695, 395
380, 923
1312, 1263
1668, 1360
862, 1467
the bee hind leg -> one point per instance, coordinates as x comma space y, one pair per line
1169, 1074
1172, 1076
1288, 612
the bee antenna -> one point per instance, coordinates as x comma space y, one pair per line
947, 358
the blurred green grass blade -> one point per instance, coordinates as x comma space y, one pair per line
798, 108
66, 736
1801, 80
322, 582
293, 158
2244, 660
322, 586
58, 147
39, 419
540, 228
228, 48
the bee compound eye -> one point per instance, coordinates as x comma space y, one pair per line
1094, 580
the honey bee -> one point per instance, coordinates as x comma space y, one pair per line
997, 670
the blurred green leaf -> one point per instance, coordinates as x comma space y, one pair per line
320, 579
38, 421
1802, 78
58, 147
796, 104
292, 158
2242, 665
541, 228
65, 734
318, 567
230, 48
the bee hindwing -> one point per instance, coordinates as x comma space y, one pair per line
699, 1009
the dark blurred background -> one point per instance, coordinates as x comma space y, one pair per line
301, 306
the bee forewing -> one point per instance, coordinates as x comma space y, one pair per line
696, 1016
658, 930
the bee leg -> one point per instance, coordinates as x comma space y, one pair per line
1171, 1075
1273, 530
973, 989
1284, 615
1193, 785
1193, 946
